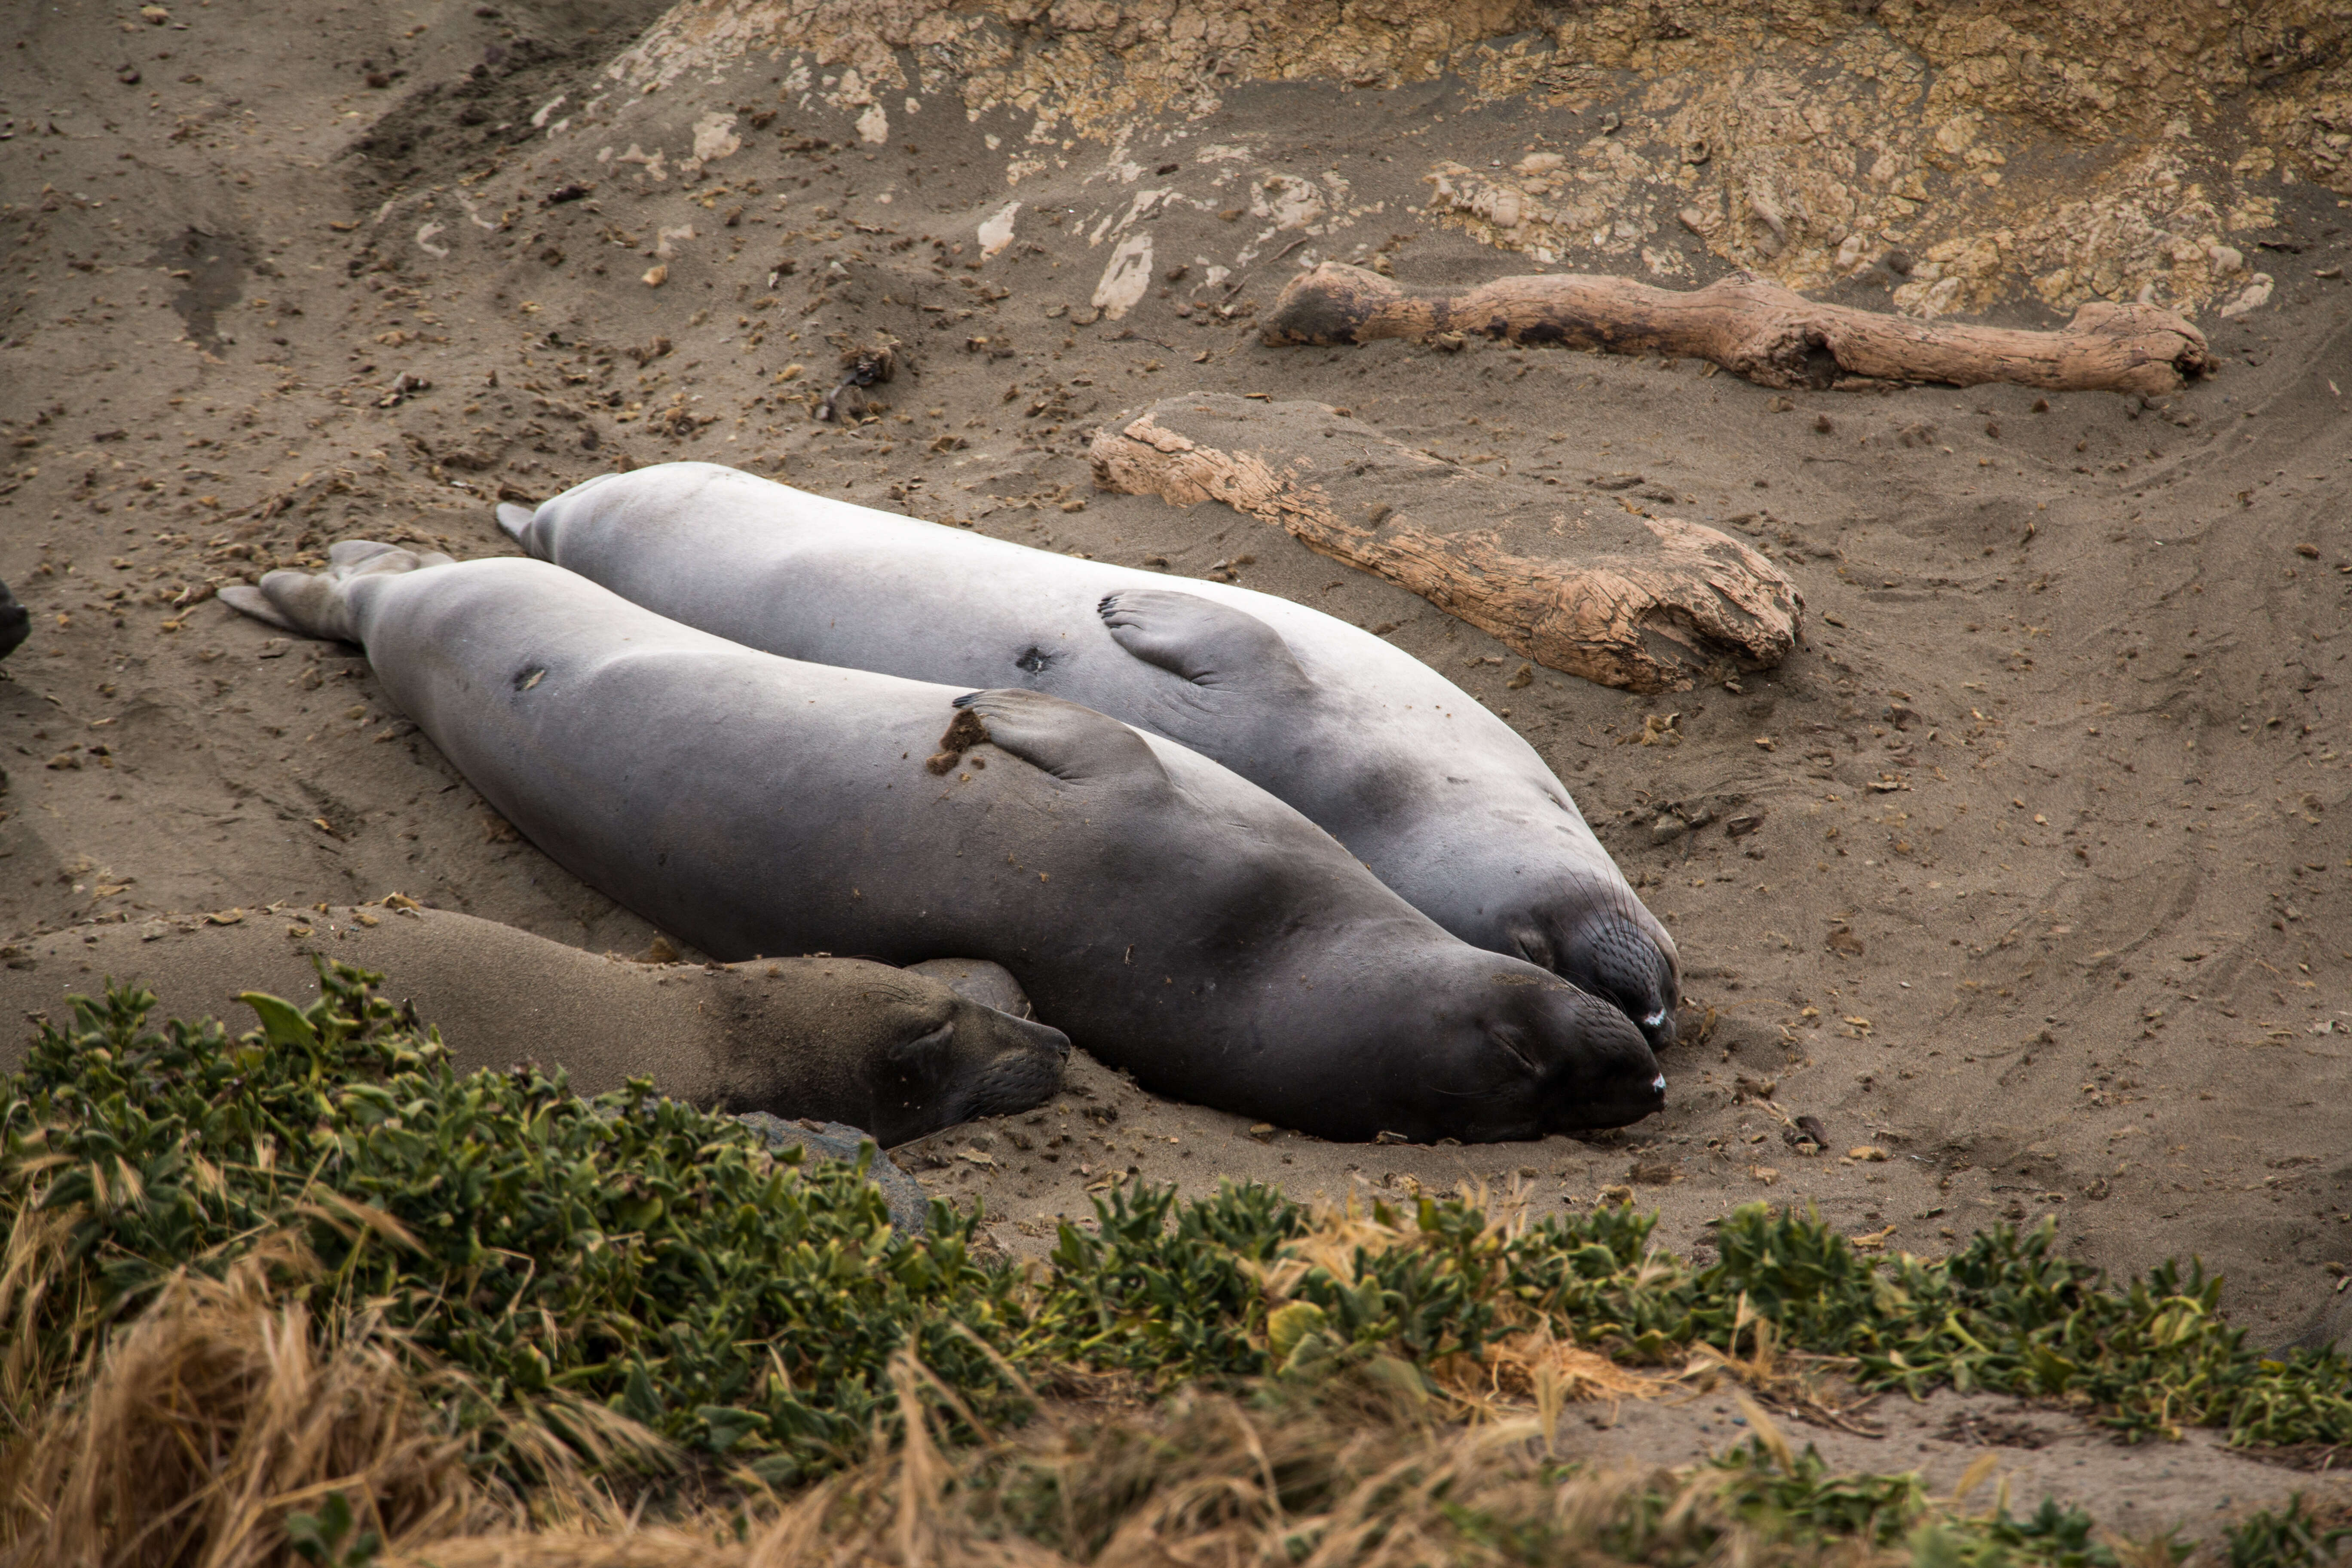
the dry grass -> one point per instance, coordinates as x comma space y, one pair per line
223, 1407
1354, 1478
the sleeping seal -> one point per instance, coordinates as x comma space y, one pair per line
15, 622
1442, 800
835, 1039
1168, 916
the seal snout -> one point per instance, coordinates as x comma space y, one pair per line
1617, 961
1606, 1075
1024, 1071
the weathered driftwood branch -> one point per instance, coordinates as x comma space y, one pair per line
1753, 329
1648, 604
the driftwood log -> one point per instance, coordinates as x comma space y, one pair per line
1753, 329
1574, 582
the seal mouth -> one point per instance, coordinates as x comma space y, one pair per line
1022, 1076
1582, 1106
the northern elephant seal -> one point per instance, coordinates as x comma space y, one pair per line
1170, 917
836, 1040
15, 622
1442, 800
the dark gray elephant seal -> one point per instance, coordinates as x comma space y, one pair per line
1442, 800
1170, 918
15, 622
836, 1040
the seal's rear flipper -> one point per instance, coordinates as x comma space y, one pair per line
1204, 642
1060, 737
247, 599
515, 519
318, 605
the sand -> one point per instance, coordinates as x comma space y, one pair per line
2046, 894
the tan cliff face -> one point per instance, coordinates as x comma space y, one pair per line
2004, 151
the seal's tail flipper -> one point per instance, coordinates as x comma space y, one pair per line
1060, 737
247, 599
1199, 640
515, 519
318, 603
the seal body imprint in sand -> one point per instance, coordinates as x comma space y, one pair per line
1171, 918
1442, 800
898, 1055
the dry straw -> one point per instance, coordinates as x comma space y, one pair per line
225, 1407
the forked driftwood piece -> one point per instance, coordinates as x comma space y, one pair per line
1574, 582
1752, 329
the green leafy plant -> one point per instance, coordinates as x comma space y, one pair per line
568, 1260
333, 1536
2297, 1538
631, 1252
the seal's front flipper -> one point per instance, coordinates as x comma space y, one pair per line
318, 605
1060, 737
515, 519
1206, 643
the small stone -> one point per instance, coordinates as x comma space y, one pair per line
656, 275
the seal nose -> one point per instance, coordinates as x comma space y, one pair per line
1023, 1074
1608, 1078
1616, 961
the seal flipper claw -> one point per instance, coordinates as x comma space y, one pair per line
1206, 643
1060, 737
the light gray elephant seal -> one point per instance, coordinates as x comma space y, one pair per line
1172, 919
1442, 800
836, 1040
